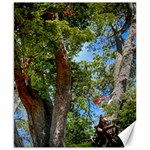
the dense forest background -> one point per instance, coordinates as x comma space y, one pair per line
59, 100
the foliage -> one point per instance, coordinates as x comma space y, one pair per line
125, 116
38, 39
21, 120
37, 36
79, 130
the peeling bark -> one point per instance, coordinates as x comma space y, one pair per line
62, 101
38, 110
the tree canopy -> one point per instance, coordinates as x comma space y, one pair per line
58, 93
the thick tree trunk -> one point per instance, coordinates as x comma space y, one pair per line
62, 101
38, 110
124, 67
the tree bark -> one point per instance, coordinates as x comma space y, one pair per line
62, 100
123, 65
117, 67
46, 129
39, 111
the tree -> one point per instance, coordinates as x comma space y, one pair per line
79, 130
126, 58
122, 104
50, 83
40, 33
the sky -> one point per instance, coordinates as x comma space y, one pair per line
84, 55
6, 110
87, 55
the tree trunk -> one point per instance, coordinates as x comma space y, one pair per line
62, 101
117, 67
39, 111
46, 130
124, 66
